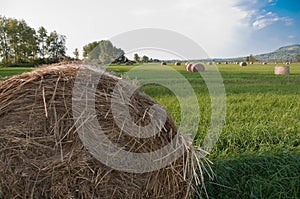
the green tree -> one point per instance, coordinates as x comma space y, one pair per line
4, 40
76, 53
297, 58
18, 41
102, 52
91, 50
56, 45
145, 59
136, 57
42, 39
250, 58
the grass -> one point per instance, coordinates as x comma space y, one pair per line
10, 71
258, 153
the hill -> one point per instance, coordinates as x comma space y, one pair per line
287, 53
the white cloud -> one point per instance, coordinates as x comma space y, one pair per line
268, 18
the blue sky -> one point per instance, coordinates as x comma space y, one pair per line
224, 28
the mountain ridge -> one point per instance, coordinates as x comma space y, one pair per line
285, 53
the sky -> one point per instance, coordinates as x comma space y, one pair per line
223, 28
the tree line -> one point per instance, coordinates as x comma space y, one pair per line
20, 43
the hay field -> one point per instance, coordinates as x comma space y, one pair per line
258, 153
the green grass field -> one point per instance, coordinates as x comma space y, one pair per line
258, 153
9, 71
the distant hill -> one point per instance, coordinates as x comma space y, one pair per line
286, 53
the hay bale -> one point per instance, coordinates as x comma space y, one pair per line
197, 67
177, 64
282, 70
264, 63
287, 63
226, 62
163, 63
243, 64
42, 155
188, 67
186, 63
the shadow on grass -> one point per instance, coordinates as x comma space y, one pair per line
264, 175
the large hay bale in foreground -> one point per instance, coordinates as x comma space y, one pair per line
282, 70
42, 155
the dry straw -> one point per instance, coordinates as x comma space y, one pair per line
41, 155
243, 64
195, 67
282, 70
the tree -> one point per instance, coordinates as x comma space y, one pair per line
145, 59
102, 52
91, 48
19, 43
56, 45
136, 57
297, 58
42, 39
250, 58
4, 40
76, 53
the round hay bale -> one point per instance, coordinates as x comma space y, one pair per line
243, 64
177, 64
210, 63
42, 155
186, 63
163, 63
287, 63
264, 63
189, 67
197, 67
282, 70
226, 62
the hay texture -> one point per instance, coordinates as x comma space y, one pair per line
243, 64
42, 156
177, 64
195, 67
282, 70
